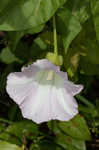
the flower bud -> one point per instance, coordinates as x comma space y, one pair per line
55, 59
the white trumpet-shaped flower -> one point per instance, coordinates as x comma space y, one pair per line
43, 92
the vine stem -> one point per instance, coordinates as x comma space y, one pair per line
55, 36
5, 121
85, 101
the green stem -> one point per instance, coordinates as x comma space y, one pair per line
55, 36
85, 101
5, 121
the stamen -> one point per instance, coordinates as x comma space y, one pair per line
50, 75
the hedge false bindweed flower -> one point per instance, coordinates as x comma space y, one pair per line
43, 92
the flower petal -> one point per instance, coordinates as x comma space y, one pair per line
63, 75
49, 103
46, 65
30, 68
19, 85
73, 88
61, 106
37, 106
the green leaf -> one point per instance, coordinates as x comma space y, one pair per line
45, 145
95, 12
19, 130
3, 4
38, 47
29, 52
5, 136
70, 143
79, 9
22, 51
6, 56
22, 15
69, 26
7, 146
70, 19
65, 141
91, 48
15, 36
88, 68
35, 29
2, 127
76, 128
49, 145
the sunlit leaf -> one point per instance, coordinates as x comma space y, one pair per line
69, 26
79, 9
7, 146
95, 12
22, 15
